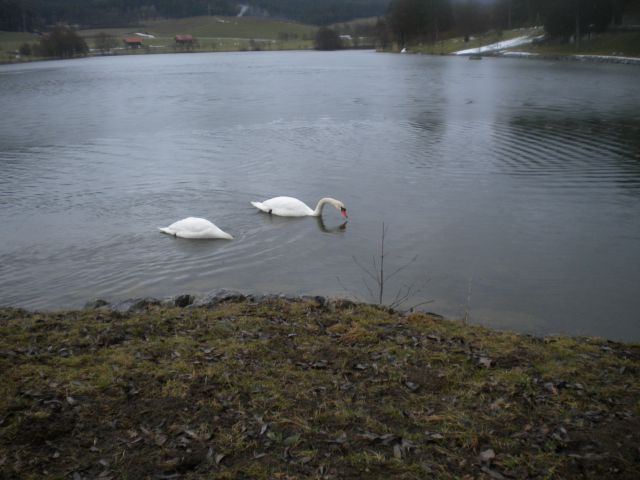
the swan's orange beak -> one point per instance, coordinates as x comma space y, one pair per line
343, 212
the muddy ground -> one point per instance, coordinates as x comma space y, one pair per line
284, 389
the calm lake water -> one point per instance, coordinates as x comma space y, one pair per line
515, 182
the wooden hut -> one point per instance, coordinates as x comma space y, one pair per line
184, 41
132, 42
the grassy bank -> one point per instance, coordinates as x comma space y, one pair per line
304, 389
10, 43
622, 44
453, 44
211, 33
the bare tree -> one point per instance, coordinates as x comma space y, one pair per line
105, 42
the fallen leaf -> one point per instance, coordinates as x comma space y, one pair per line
487, 455
170, 464
397, 451
292, 439
493, 473
219, 457
340, 440
319, 364
160, 439
551, 388
485, 362
412, 386
369, 436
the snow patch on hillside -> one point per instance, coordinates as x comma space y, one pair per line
499, 46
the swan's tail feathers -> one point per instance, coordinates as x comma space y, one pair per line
260, 206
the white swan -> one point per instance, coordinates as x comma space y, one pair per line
292, 207
193, 227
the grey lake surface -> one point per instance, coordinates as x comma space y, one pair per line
516, 183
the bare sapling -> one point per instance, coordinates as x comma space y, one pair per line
467, 307
376, 274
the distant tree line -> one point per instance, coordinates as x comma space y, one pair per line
424, 20
30, 15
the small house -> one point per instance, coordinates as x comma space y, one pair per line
184, 41
132, 42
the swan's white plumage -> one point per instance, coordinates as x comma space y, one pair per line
284, 207
193, 227
292, 207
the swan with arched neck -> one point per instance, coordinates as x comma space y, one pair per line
292, 207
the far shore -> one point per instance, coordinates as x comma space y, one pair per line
611, 59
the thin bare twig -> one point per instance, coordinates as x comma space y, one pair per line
364, 269
467, 308
398, 270
350, 292
384, 230
404, 293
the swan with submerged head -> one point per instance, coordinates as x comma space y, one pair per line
292, 207
193, 227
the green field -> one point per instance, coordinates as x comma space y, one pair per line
211, 34
10, 43
218, 33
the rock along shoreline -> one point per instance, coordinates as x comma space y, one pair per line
217, 297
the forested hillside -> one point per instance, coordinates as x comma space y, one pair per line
28, 15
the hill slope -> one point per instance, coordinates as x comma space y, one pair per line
16, 15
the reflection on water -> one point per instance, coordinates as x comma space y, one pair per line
332, 228
517, 181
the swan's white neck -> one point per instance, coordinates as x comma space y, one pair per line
323, 201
